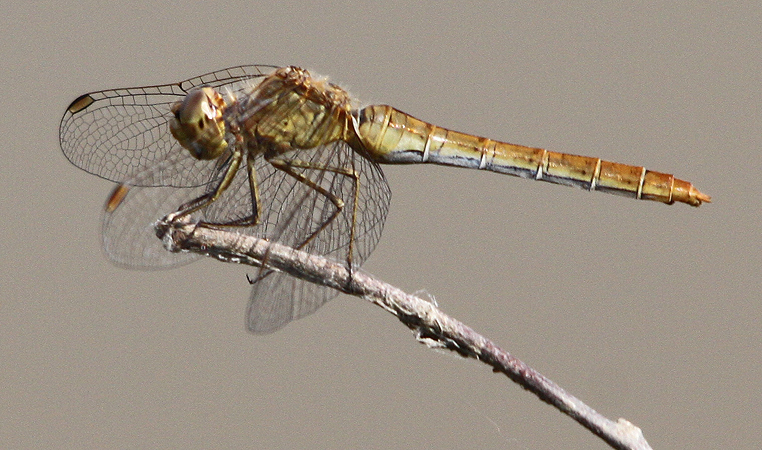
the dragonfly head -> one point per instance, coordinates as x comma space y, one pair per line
198, 124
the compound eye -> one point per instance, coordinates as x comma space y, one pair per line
198, 124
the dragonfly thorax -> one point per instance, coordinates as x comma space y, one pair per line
293, 109
198, 124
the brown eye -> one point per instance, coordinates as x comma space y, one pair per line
200, 123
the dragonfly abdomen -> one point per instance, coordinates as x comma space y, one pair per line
393, 137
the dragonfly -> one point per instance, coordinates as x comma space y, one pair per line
284, 155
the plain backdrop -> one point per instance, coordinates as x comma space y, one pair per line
644, 311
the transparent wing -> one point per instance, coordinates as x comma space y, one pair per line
279, 298
293, 211
129, 238
118, 133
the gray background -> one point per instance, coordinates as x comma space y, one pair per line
644, 311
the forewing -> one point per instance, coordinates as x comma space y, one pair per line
118, 133
123, 135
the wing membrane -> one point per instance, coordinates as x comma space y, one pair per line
118, 133
294, 211
129, 239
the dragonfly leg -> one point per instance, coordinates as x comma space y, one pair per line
210, 197
288, 166
254, 189
254, 218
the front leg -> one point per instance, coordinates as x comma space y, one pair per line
210, 197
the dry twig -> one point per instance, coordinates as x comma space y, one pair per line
431, 326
